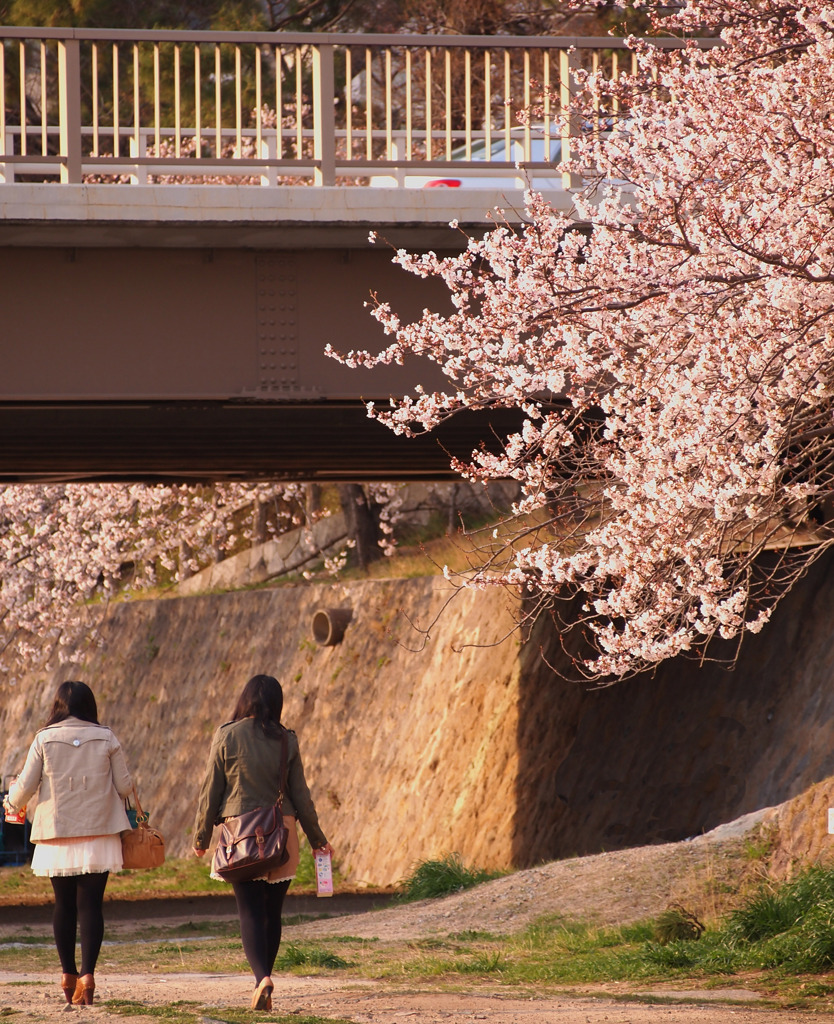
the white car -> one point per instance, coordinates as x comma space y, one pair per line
484, 176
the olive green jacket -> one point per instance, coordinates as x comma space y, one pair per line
243, 772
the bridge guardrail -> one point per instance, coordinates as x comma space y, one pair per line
276, 108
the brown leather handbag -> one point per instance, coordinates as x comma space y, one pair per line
254, 843
142, 846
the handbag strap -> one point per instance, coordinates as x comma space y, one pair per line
141, 817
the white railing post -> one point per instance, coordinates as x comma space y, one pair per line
138, 148
324, 115
69, 105
6, 146
269, 151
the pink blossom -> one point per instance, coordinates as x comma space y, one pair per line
675, 362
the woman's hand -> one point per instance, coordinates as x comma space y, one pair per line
199, 853
327, 848
7, 807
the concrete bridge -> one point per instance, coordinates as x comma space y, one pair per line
183, 228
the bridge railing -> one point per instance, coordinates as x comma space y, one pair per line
277, 108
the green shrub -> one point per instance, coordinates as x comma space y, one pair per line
442, 877
481, 963
764, 915
787, 928
309, 956
675, 924
772, 911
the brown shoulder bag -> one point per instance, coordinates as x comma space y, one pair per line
255, 843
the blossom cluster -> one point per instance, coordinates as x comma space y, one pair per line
669, 344
66, 550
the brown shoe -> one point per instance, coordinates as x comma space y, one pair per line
262, 996
68, 983
84, 990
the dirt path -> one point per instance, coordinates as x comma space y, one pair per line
36, 998
609, 888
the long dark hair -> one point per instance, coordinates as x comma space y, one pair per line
76, 700
262, 699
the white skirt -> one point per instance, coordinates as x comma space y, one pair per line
83, 855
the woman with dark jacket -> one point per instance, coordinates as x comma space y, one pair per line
243, 773
79, 771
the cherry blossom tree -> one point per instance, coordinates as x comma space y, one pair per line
66, 550
670, 347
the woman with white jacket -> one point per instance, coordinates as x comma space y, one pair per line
78, 770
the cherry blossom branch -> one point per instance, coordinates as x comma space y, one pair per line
674, 363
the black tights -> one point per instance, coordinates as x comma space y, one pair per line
259, 905
78, 900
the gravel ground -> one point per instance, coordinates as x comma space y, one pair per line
38, 1000
609, 888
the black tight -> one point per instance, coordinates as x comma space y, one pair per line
78, 901
259, 905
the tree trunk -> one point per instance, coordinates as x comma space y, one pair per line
185, 570
312, 503
260, 513
361, 523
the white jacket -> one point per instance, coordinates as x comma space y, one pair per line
80, 771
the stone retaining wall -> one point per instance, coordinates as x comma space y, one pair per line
416, 745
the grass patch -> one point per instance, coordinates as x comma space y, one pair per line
487, 962
786, 930
186, 1012
435, 878
780, 941
310, 956
677, 923
184, 876
227, 1016
181, 1012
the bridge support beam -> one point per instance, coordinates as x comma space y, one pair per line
205, 441
155, 364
